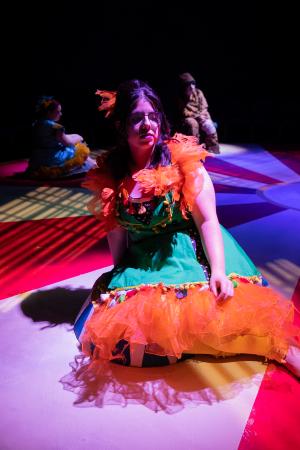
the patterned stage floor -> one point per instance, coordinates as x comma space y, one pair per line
51, 251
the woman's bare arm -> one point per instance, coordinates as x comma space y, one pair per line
68, 139
205, 217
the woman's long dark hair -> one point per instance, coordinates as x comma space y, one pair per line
128, 94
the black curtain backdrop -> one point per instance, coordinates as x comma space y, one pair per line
244, 56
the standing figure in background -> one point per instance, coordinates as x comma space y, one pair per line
194, 117
55, 153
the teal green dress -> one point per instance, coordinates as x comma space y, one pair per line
169, 251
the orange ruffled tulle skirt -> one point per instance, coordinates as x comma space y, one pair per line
256, 320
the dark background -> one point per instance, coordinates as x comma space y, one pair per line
244, 56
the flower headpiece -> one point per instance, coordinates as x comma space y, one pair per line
108, 101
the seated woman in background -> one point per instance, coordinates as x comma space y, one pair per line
55, 153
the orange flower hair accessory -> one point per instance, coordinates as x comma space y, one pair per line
108, 101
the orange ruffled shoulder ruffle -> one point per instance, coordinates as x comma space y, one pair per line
183, 178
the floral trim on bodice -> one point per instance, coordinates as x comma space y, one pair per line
181, 179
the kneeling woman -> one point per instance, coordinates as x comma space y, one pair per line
181, 284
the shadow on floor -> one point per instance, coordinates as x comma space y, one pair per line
55, 306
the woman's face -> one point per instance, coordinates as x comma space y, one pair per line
143, 128
56, 114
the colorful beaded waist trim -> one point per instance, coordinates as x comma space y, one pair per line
119, 295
